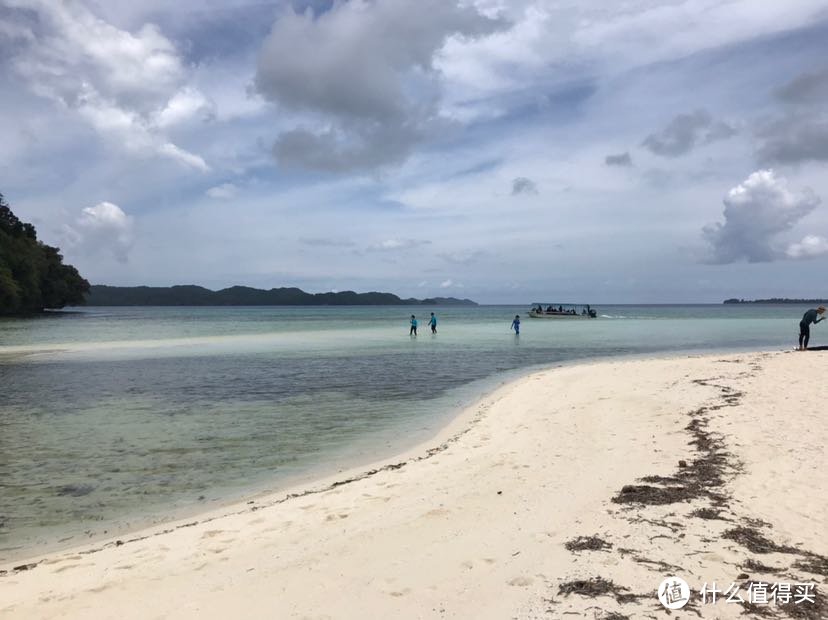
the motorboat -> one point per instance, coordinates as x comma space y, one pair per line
562, 311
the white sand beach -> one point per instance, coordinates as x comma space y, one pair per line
475, 523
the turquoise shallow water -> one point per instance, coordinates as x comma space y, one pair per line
111, 417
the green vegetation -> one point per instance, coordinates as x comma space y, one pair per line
775, 300
191, 295
32, 274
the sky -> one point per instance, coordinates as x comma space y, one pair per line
506, 151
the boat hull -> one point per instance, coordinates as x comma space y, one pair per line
562, 316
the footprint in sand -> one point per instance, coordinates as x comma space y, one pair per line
400, 592
437, 512
67, 567
520, 581
333, 517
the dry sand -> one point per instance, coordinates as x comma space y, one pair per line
476, 524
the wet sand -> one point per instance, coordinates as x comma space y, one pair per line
569, 493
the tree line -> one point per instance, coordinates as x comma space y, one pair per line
33, 277
774, 300
191, 295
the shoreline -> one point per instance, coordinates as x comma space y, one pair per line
454, 424
230, 500
516, 446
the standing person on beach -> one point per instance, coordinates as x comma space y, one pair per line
433, 323
805, 325
413, 330
516, 325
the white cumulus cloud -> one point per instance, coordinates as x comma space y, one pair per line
756, 213
186, 105
104, 228
811, 246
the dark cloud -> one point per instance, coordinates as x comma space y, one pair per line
756, 212
522, 185
806, 88
801, 133
347, 149
363, 70
622, 159
685, 132
793, 139
484, 166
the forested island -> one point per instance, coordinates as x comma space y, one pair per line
775, 300
33, 277
191, 295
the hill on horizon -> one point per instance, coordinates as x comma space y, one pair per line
194, 295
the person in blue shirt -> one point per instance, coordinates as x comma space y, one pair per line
805, 325
516, 325
413, 330
433, 323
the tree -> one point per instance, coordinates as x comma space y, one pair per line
32, 274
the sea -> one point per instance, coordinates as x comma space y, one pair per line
116, 418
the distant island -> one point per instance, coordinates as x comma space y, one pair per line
775, 300
192, 295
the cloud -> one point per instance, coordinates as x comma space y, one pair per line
390, 245
811, 246
463, 257
522, 185
622, 159
341, 150
362, 74
447, 283
800, 134
806, 88
168, 149
102, 228
329, 243
794, 139
130, 87
685, 132
756, 212
225, 191
186, 105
